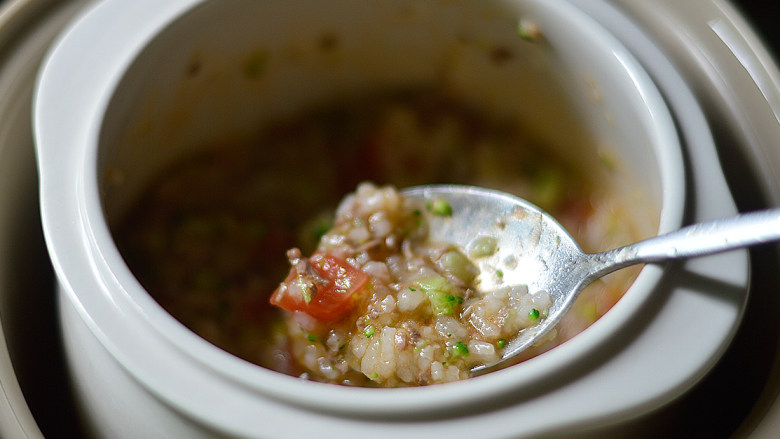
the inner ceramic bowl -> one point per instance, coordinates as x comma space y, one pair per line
222, 124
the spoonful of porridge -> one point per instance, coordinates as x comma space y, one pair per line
439, 283
526, 246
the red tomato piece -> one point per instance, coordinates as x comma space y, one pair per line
332, 296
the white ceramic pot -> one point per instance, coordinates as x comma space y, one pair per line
115, 93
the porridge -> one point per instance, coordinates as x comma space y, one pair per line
378, 300
209, 239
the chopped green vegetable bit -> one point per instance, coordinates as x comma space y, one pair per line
418, 220
374, 375
460, 350
312, 338
528, 30
458, 265
369, 331
608, 160
311, 232
533, 314
587, 311
420, 345
439, 293
440, 207
500, 273
501, 343
483, 246
306, 289
412, 289
548, 187
435, 283
320, 228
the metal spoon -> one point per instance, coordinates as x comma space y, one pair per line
535, 250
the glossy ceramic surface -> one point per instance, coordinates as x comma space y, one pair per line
731, 75
101, 299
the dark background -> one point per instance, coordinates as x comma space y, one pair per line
765, 17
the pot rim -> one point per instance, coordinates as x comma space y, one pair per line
113, 279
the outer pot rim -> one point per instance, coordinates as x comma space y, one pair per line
122, 290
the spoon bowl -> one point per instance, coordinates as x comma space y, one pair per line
533, 249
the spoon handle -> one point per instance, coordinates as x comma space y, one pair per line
697, 240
